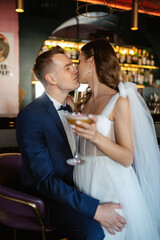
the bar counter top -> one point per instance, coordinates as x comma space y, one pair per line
9, 121
8, 125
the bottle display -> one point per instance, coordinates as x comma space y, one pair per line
71, 48
137, 64
152, 62
154, 103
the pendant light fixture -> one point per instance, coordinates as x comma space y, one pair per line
134, 19
20, 6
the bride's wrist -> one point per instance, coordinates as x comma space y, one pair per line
97, 138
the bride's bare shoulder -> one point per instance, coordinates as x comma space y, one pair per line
121, 105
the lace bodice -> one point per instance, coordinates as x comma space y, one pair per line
105, 126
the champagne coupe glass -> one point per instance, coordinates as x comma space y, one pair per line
72, 118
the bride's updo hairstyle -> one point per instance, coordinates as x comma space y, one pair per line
106, 62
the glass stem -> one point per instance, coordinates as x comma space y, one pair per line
77, 147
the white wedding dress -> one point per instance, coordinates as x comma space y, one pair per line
108, 181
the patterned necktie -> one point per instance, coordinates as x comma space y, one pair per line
67, 107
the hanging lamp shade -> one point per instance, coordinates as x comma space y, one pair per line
19, 6
134, 19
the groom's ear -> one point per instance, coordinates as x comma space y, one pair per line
50, 78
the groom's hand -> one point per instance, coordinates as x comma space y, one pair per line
109, 218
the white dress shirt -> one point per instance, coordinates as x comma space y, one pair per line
66, 125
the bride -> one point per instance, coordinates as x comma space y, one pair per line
122, 159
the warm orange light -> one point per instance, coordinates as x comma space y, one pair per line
19, 6
19, 10
134, 28
125, 6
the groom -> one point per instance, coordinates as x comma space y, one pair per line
45, 143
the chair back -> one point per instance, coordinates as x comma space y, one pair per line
21, 210
18, 209
10, 164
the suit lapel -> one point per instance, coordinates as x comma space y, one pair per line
53, 112
48, 104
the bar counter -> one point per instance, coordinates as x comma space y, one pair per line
8, 142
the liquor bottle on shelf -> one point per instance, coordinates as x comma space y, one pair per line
157, 109
146, 77
152, 60
151, 104
122, 58
150, 77
123, 76
68, 51
148, 61
139, 78
139, 57
135, 78
73, 53
116, 48
144, 60
135, 56
130, 76
128, 56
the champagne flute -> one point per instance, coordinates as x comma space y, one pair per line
72, 118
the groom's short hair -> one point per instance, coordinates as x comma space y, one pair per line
44, 63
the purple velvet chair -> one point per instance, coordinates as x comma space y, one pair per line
19, 210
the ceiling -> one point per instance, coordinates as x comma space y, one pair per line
151, 7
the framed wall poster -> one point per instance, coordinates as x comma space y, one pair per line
8, 75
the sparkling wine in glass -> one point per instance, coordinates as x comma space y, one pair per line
72, 118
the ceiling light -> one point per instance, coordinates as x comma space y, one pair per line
134, 21
19, 6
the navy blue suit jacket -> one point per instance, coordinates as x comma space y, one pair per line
44, 147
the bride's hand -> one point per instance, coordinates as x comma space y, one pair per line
85, 130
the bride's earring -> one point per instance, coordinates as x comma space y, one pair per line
89, 71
